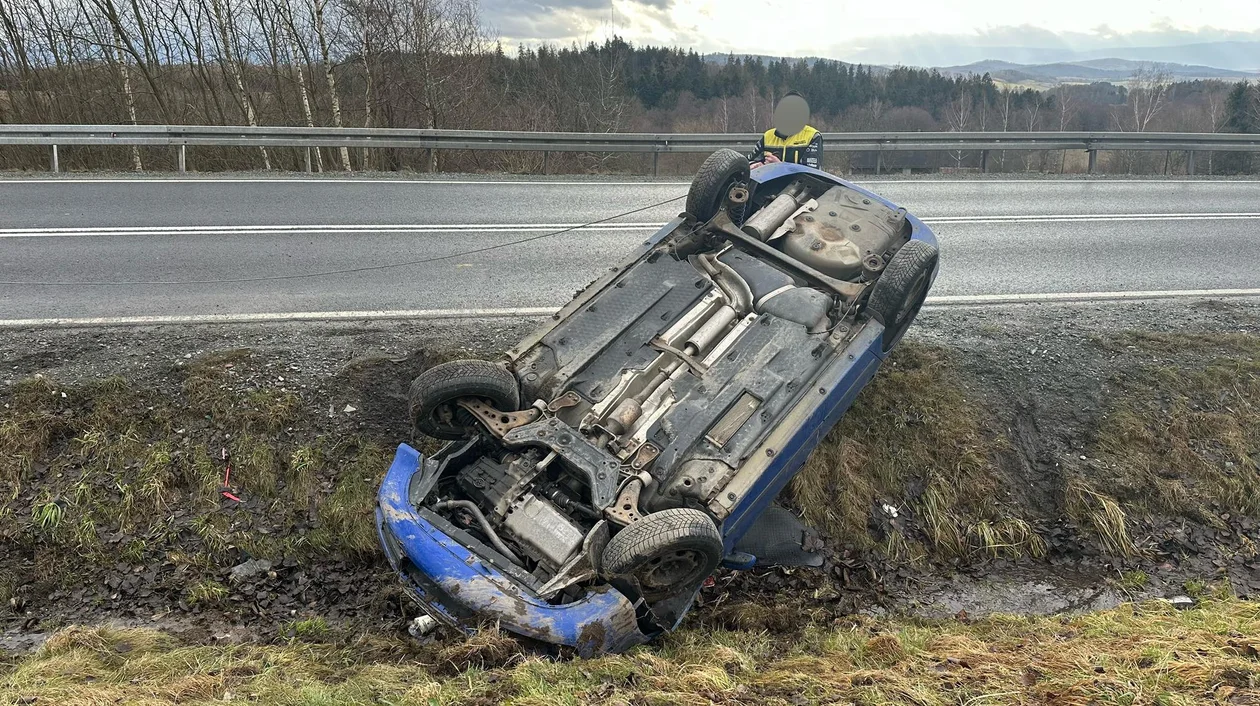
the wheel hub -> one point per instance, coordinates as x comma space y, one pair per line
670, 569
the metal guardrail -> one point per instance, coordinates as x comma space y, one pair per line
184, 136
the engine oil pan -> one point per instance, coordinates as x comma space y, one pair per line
845, 230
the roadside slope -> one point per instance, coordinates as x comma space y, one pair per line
1032, 458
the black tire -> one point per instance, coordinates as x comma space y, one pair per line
666, 551
720, 171
434, 391
901, 288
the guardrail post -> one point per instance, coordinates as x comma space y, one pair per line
1189, 162
308, 160
656, 164
56, 161
879, 162
1093, 160
183, 158
984, 161
546, 161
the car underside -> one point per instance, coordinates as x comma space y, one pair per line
609, 463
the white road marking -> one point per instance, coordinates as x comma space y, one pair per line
415, 314
320, 229
857, 179
533, 312
972, 299
1054, 181
78, 232
1075, 217
329, 180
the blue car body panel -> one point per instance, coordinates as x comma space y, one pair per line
461, 589
842, 383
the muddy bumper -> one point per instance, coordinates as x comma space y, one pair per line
463, 590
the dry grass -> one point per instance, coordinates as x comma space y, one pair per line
89, 461
915, 442
1181, 437
1136, 654
82, 462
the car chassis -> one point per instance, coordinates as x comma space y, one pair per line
601, 471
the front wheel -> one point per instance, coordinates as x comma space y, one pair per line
434, 394
901, 289
667, 551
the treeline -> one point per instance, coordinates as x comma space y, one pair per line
432, 64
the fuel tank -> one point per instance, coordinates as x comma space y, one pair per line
846, 235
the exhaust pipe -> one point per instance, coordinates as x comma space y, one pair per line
712, 329
765, 222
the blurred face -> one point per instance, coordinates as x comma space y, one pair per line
790, 115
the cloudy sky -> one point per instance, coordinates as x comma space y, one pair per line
929, 32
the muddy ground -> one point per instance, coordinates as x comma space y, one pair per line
1039, 380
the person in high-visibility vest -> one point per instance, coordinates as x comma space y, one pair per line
791, 139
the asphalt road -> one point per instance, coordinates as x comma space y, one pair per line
998, 237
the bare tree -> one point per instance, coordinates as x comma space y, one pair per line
1067, 103
142, 54
1217, 117
875, 113
301, 62
1148, 93
1006, 109
1146, 96
1034, 103
958, 115
318, 8
229, 60
131, 105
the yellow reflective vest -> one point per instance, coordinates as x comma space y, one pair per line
805, 147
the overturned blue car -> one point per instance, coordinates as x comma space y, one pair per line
606, 466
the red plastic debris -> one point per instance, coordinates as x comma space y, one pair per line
226, 490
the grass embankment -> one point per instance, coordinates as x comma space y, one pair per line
95, 472
107, 474
916, 443
1179, 438
1182, 437
1143, 654
98, 473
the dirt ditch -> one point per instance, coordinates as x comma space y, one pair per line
1032, 459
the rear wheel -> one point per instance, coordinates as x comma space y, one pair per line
720, 171
435, 392
901, 289
667, 551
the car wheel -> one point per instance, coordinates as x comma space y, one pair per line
666, 551
901, 289
720, 171
435, 391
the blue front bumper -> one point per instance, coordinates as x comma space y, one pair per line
459, 588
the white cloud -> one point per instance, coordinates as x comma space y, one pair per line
900, 31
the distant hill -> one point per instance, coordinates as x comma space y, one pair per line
954, 50
766, 58
1102, 69
1111, 69
1233, 55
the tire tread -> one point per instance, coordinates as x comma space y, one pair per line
674, 527
718, 169
888, 297
459, 378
